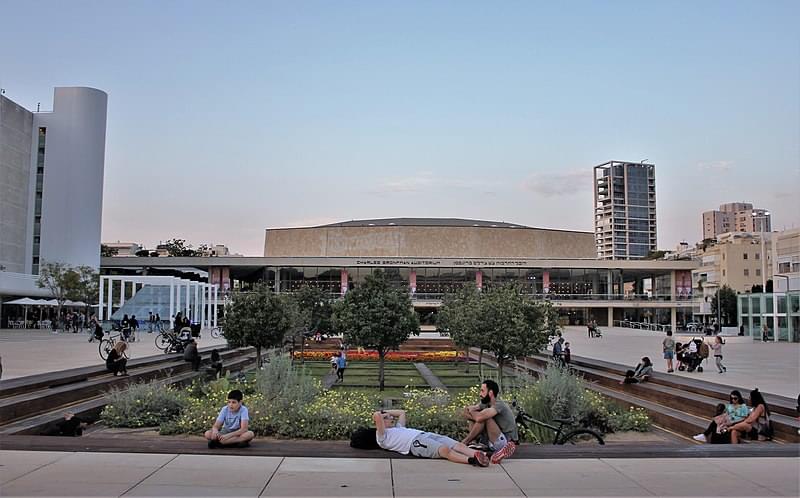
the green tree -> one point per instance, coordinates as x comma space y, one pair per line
376, 316
257, 318
107, 252
142, 253
87, 288
460, 318
61, 280
178, 247
314, 311
513, 325
727, 297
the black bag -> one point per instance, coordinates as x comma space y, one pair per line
364, 439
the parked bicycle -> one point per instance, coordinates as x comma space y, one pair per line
582, 435
169, 342
217, 332
108, 343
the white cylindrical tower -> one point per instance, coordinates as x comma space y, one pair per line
72, 192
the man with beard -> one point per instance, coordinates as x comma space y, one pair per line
492, 422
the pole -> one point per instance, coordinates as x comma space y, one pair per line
719, 311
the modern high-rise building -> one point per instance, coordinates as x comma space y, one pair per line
735, 217
625, 210
51, 183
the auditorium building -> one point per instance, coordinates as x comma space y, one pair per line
430, 257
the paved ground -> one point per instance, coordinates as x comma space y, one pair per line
28, 473
28, 352
772, 367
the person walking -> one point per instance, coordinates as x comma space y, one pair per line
668, 345
341, 364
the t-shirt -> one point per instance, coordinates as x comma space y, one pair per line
717, 347
341, 361
397, 439
692, 347
669, 344
505, 420
737, 413
232, 421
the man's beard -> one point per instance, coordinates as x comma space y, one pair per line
486, 400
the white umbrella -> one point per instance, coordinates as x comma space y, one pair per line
25, 301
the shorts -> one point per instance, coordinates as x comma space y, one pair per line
499, 444
427, 445
668, 355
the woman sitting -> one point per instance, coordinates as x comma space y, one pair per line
718, 429
116, 361
758, 419
642, 373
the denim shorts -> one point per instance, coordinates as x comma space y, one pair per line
668, 355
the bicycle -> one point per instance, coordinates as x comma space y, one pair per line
217, 332
107, 344
169, 342
574, 436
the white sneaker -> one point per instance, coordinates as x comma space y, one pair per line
700, 437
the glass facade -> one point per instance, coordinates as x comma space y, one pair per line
780, 312
37, 213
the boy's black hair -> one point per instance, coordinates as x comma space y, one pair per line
364, 439
236, 394
492, 386
720, 409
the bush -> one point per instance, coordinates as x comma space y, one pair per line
434, 410
143, 405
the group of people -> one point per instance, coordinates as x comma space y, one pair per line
593, 330
733, 421
492, 434
339, 364
562, 353
690, 355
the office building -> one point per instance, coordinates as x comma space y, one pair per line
735, 217
625, 210
51, 185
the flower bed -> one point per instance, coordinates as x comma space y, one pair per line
410, 356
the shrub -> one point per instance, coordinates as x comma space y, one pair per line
435, 410
143, 405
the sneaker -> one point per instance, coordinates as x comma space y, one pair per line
244, 444
700, 437
505, 452
481, 459
478, 446
212, 445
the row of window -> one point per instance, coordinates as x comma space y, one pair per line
37, 214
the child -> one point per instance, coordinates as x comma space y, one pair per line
567, 353
717, 432
230, 428
717, 348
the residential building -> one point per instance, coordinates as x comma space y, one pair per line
735, 217
624, 210
51, 190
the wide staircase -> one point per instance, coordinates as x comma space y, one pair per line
416, 344
35, 404
682, 405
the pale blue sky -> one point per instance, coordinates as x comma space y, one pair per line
226, 118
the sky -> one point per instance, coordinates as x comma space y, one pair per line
227, 118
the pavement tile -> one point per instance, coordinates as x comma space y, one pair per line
712, 483
567, 491
90, 460
90, 476
298, 464
778, 474
210, 476
192, 490
225, 462
553, 475
640, 465
419, 466
458, 491
31, 457
14, 471
310, 479
287, 489
46, 487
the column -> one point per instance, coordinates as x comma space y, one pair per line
610, 283
100, 302
197, 303
479, 280
672, 285
546, 282
343, 280
177, 299
673, 317
171, 303
122, 293
110, 296
187, 306
214, 306
610, 316
203, 306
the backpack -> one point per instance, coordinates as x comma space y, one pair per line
703, 350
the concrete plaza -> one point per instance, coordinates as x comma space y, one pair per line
773, 367
28, 473
29, 352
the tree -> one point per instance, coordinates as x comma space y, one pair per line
178, 247
727, 297
756, 289
87, 287
513, 325
459, 316
313, 314
142, 253
107, 252
655, 255
769, 287
61, 280
376, 316
258, 318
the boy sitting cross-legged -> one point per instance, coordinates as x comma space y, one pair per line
230, 428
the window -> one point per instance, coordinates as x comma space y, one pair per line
746, 272
723, 273
758, 272
744, 256
758, 255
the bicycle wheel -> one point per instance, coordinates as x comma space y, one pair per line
162, 342
582, 436
215, 332
105, 347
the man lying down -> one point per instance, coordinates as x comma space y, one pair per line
390, 433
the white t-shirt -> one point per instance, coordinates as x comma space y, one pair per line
692, 347
397, 439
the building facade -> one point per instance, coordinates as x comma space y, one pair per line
625, 210
418, 255
51, 166
736, 217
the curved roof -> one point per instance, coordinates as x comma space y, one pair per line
425, 222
